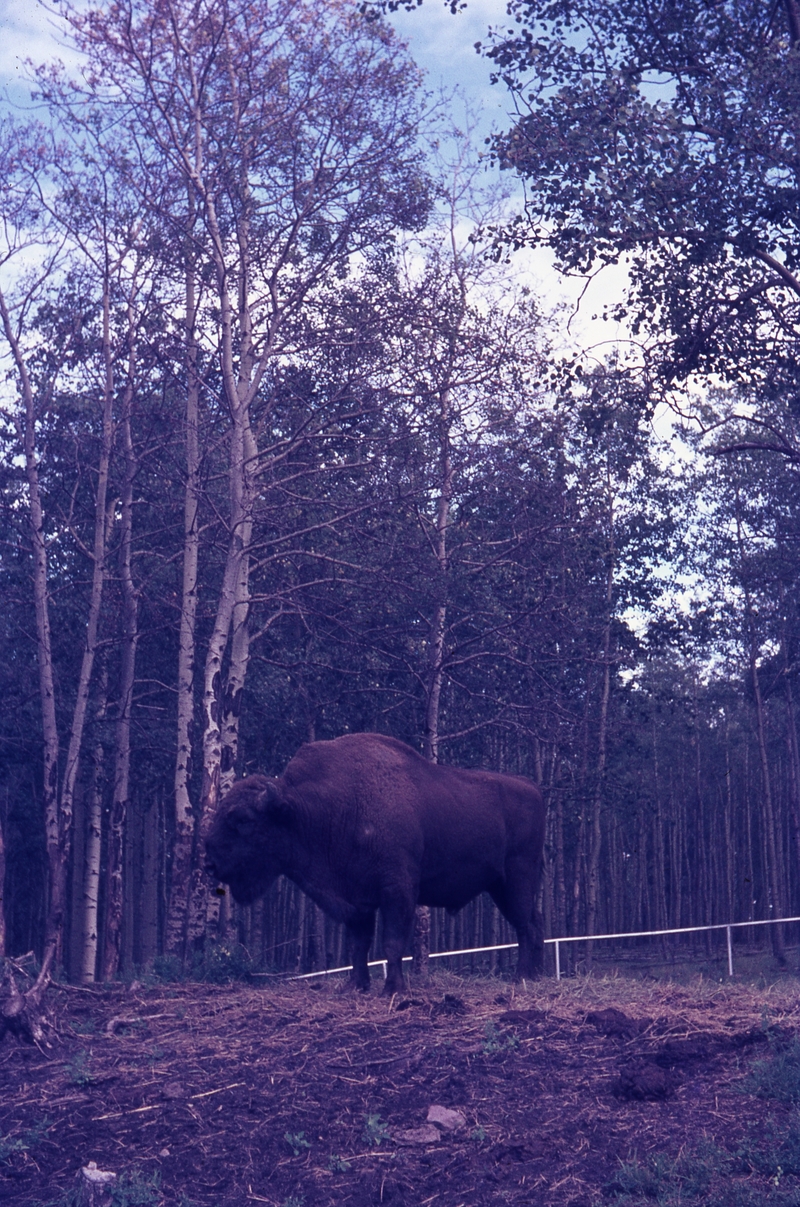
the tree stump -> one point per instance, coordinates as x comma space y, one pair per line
22, 1014
94, 1186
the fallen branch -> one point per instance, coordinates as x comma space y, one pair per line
129, 1020
221, 1090
137, 1110
140, 1110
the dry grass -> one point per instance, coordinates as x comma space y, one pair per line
194, 1090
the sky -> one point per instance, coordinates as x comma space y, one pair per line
443, 44
27, 30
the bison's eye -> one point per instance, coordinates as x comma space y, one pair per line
240, 821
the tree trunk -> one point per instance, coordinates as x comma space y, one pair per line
770, 851
793, 752
212, 733
102, 524
436, 641
52, 817
130, 637
768, 811
659, 852
2, 893
560, 886
93, 854
595, 829
181, 867
436, 646
234, 594
730, 853
240, 641
58, 810
58, 807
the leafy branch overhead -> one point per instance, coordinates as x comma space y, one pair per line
663, 136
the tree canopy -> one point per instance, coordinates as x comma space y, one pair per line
663, 136
285, 456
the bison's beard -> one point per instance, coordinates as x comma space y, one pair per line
247, 889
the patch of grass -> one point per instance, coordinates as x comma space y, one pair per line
375, 1130
773, 1152
297, 1142
154, 1056
78, 1069
14, 1145
169, 968
133, 1188
84, 1026
498, 1041
225, 962
294, 1200
707, 1176
666, 1180
778, 1075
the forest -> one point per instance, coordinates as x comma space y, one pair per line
291, 449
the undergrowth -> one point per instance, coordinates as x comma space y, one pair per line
11, 1145
219, 964
777, 1076
133, 1188
763, 1171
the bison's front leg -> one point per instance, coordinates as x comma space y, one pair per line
398, 920
360, 932
530, 962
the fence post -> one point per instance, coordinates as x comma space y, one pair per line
558, 962
730, 951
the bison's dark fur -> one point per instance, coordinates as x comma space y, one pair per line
365, 823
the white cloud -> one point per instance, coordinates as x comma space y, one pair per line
443, 44
28, 31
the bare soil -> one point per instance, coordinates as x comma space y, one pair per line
309, 1093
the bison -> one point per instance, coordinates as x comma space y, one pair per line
364, 823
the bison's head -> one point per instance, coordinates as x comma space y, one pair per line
242, 845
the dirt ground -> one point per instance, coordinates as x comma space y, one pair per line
306, 1093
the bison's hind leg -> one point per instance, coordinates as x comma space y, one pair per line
517, 900
360, 932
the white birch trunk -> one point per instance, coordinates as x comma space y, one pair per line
180, 872
422, 921
240, 644
130, 639
234, 598
92, 855
52, 816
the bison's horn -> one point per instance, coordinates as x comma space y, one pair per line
273, 801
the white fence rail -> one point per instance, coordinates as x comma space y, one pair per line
728, 927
